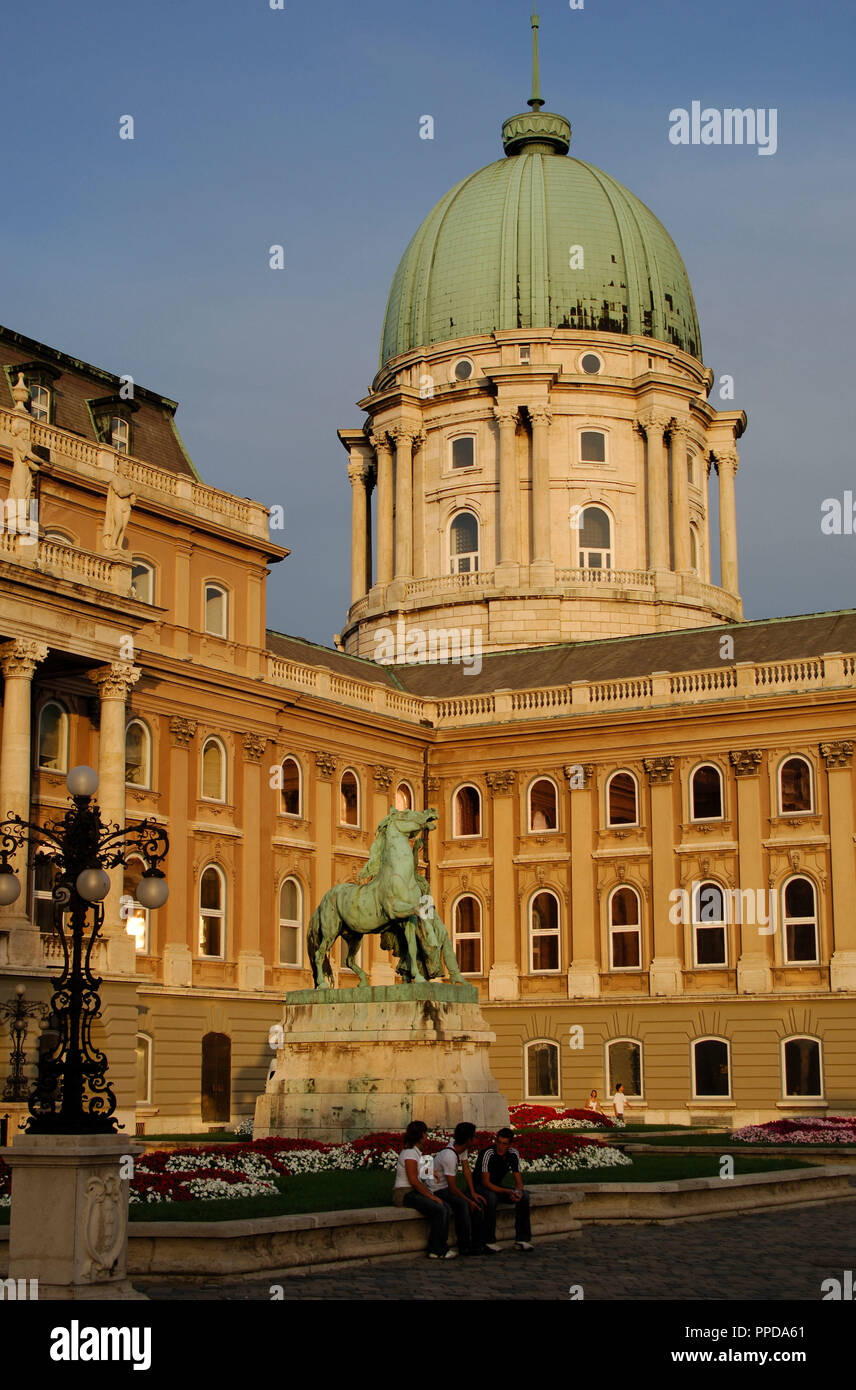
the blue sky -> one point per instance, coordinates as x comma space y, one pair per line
300, 127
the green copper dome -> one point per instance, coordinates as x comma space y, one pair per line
495, 254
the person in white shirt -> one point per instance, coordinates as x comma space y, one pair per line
619, 1101
414, 1182
465, 1203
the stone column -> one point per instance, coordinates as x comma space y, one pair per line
420, 449
754, 963
838, 756
508, 521
114, 684
18, 661
359, 471
403, 501
584, 972
542, 570
655, 424
504, 978
666, 974
384, 508
680, 498
726, 466
251, 962
180, 922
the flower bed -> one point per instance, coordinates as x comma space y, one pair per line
549, 1117
834, 1129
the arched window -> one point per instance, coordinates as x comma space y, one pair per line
711, 1068
624, 1066
58, 537
52, 746
592, 446
706, 793
709, 936
216, 610
621, 799
291, 786
541, 1069
595, 540
544, 950
213, 770
694, 552
625, 930
143, 579
212, 912
40, 403
145, 1058
795, 786
290, 922
120, 434
138, 755
464, 544
404, 797
543, 805
464, 451
800, 921
136, 917
802, 1067
468, 934
466, 812
349, 799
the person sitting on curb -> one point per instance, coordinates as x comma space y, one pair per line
413, 1174
466, 1205
492, 1166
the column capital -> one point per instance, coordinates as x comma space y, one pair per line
116, 680
540, 414
679, 427
380, 441
21, 656
746, 761
181, 731
382, 777
326, 764
501, 783
506, 415
654, 421
404, 435
254, 747
659, 770
727, 458
359, 471
838, 753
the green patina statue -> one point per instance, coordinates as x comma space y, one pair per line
390, 897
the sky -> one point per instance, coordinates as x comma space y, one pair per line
300, 127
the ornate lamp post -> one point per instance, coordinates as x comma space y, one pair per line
17, 1013
72, 1094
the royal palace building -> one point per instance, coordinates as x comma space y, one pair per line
645, 851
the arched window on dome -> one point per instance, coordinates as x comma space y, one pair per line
464, 544
595, 540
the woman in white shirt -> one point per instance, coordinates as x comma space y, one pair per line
414, 1183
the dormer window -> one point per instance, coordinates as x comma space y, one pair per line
111, 419
120, 434
39, 378
40, 403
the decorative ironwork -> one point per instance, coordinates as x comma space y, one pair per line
18, 1013
72, 1094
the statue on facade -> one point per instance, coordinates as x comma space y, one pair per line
390, 897
120, 499
25, 465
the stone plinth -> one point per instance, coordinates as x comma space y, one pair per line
358, 1060
69, 1219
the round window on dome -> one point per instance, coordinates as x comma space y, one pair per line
591, 363
463, 369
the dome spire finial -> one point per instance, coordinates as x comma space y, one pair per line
535, 101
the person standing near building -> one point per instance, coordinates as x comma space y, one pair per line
493, 1165
619, 1101
466, 1205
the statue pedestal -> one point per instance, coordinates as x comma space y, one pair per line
359, 1060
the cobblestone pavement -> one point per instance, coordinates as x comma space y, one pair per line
777, 1255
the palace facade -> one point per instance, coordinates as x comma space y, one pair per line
646, 842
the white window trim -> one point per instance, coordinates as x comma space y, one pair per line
140, 562
468, 468
609, 551
479, 833
403, 782
357, 824
456, 380
208, 912
542, 777
542, 1042
298, 814
554, 932
148, 747
710, 1037
469, 936
227, 607
593, 463
637, 1042
627, 824
624, 969
65, 735
224, 772
801, 1037
147, 1038
702, 820
287, 922
790, 758
147, 941
450, 558
797, 920
696, 925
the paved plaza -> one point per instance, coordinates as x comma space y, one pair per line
779, 1255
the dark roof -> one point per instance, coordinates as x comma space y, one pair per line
768, 640
154, 436
313, 654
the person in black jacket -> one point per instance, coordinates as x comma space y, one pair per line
493, 1165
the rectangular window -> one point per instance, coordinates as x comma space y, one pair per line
592, 446
289, 945
463, 452
626, 950
710, 945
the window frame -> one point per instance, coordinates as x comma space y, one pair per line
622, 824
403, 782
148, 1040
527, 1047
453, 371
694, 1042
607, 1071
222, 589
590, 352
608, 551
298, 814
469, 936
148, 747
356, 824
457, 468
146, 949
290, 923
592, 429
36, 384
801, 1037
124, 446
456, 835
721, 925
701, 820
550, 830
224, 771
555, 932
792, 878
633, 927
453, 559
791, 758
139, 562
63, 741
220, 915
